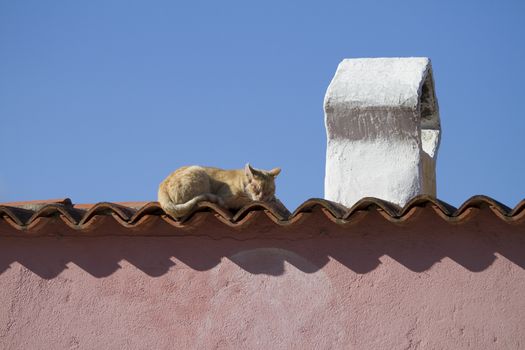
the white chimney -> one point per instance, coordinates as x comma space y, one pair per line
383, 130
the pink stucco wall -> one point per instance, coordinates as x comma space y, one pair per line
426, 284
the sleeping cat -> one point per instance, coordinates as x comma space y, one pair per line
232, 189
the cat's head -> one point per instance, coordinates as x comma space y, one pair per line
260, 183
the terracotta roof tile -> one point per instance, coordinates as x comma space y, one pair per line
54, 217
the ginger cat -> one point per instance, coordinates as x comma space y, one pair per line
232, 189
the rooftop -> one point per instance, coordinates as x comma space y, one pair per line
63, 217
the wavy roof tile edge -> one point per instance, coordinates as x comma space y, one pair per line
22, 218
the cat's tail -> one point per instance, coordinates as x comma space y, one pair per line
179, 210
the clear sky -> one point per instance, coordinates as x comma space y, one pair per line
100, 100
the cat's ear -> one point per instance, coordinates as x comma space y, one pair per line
274, 172
248, 171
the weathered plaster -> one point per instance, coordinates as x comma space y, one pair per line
372, 284
383, 130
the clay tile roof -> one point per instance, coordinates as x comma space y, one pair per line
62, 217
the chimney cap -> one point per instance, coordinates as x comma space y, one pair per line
397, 82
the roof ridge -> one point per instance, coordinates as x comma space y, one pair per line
22, 217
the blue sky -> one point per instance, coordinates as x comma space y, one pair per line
100, 100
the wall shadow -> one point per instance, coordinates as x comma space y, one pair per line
417, 245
